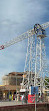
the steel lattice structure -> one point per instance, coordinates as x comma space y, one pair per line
30, 63
35, 64
41, 71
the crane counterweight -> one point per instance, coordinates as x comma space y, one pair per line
1, 47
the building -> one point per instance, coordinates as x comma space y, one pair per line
13, 78
11, 83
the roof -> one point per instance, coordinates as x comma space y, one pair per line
8, 87
15, 73
18, 74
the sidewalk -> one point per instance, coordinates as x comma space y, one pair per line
10, 103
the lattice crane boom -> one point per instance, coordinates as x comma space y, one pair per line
18, 39
45, 25
22, 37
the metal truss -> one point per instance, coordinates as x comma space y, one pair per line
41, 72
17, 39
45, 25
29, 70
35, 72
21, 37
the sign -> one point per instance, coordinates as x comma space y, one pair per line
31, 98
34, 90
22, 90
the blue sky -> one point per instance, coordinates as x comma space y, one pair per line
16, 17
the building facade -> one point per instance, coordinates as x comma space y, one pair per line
11, 83
13, 78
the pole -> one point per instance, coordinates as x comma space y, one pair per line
35, 77
41, 66
35, 101
16, 84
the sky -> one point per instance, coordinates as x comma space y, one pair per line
17, 17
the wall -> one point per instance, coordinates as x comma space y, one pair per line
27, 107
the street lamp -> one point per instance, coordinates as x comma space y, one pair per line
16, 84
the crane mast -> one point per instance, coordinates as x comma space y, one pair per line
35, 69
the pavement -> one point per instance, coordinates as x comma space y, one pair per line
14, 102
10, 103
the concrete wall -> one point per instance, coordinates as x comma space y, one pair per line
27, 107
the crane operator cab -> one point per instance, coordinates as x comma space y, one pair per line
39, 31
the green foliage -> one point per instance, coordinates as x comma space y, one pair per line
47, 79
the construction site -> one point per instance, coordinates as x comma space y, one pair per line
35, 79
